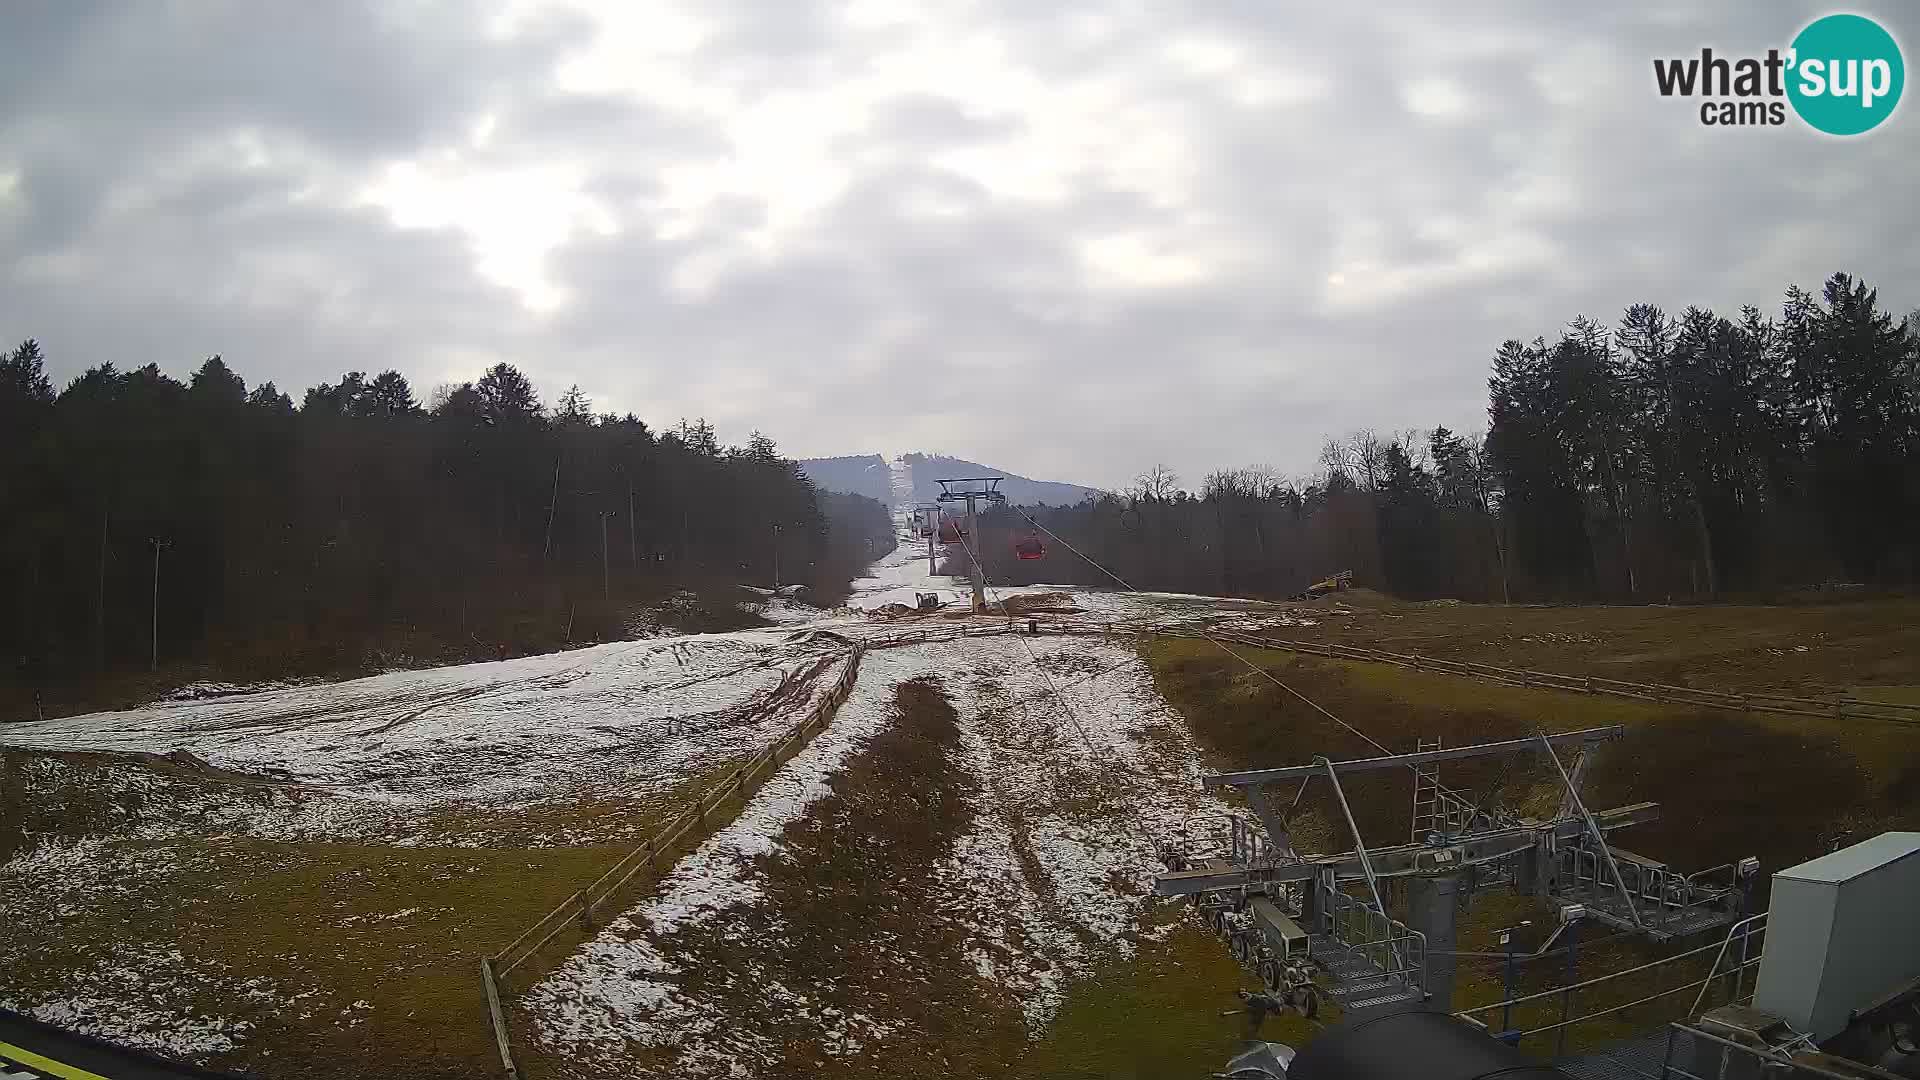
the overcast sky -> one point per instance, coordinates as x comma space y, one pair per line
1066, 239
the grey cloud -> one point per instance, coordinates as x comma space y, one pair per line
918, 308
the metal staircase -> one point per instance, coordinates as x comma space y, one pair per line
1370, 960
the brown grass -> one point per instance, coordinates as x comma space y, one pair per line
849, 914
1729, 785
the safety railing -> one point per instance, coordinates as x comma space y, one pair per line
1660, 895
1390, 946
1634, 979
1745, 941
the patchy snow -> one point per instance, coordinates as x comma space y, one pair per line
199, 690
782, 612
619, 986
143, 998
382, 757
1070, 882
1046, 863
1048, 879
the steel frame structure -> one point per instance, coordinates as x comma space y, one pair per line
1332, 907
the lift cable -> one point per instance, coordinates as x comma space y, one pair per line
1054, 687
1263, 672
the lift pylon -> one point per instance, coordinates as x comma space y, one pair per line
1324, 919
973, 490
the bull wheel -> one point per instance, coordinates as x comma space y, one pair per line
1270, 974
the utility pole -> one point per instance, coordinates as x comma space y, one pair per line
100, 599
606, 579
776, 554
154, 662
553, 503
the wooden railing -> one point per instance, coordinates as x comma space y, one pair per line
1848, 708
577, 912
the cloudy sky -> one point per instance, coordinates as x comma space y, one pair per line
1065, 239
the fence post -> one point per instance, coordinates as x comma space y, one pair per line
499, 1020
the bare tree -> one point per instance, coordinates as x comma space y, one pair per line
1367, 456
1333, 462
1159, 483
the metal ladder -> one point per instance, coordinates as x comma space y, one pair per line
1426, 793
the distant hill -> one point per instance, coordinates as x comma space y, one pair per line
859, 474
1019, 490
870, 475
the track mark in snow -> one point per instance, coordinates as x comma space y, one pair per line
1044, 879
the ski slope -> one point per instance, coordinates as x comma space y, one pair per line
1077, 772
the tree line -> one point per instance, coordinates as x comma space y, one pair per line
1687, 456
147, 522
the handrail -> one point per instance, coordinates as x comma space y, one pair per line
1611, 1009
1558, 990
1360, 845
1740, 927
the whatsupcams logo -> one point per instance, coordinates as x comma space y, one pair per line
1842, 75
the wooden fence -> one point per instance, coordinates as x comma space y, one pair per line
1839, 708
577, 912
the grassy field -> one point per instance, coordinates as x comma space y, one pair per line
1866, 642
350, 959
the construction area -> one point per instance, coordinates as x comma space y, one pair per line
959, 830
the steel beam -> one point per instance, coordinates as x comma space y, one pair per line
1260, 777
1400, 860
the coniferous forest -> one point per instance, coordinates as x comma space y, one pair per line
210, 529
1671, 456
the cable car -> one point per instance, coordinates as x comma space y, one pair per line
950, 532
1031, 548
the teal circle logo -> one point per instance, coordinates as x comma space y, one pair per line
1846, 74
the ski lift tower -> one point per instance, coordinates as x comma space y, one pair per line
1298, 918
973, 490
926, 518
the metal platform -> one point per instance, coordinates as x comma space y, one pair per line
1643, 1057
1605, 905
1354, 980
